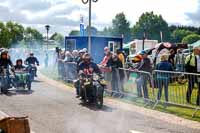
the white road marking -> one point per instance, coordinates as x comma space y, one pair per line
133, 131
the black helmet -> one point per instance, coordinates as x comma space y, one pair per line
87, 56
31, 54
19, 60
4, 53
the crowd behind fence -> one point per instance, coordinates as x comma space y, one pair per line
177, 88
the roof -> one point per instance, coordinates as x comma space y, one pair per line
197, 43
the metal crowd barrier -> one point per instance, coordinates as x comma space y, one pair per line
178, 88
70, 71
126, 82
67, 71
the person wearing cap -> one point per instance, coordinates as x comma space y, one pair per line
32, 60
163, 79
85, 50
143, 65
192, 65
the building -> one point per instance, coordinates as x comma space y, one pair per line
136, 45
97, 45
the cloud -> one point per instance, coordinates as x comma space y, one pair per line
194, 18
57, 13
64, 15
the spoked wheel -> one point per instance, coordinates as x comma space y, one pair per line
99, 97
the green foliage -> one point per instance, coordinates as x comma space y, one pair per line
121, 26
58, 38
4, 36
152, 25
32, 34
179, 34
191, 38
16, 31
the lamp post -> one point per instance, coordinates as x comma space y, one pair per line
47, 28
89, 28
143, 40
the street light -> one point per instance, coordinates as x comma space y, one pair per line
89, 28
47, 28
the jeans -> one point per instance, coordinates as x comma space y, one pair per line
163, 83
142, 84
191, 82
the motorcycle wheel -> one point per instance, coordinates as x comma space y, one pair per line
99, 97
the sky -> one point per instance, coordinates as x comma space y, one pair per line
64, 15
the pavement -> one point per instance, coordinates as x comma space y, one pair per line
53, 108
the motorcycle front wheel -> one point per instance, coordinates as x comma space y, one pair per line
99, 97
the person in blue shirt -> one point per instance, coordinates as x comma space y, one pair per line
162, 77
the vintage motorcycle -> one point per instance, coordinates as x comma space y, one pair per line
22, 79
5, 80
92, 89
32, 71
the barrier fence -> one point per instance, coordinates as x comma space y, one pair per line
177, 88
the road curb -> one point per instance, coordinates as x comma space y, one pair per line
3, 115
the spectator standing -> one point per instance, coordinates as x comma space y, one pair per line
143, 65
179, 61
115, 80
192, 65
163, 78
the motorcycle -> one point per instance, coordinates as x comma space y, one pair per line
92, 89
32, 70
5, 80
22, 79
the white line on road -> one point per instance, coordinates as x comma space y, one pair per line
133, 131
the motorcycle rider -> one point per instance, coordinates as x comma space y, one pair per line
32, 60
88, 67
5, 61
19, 65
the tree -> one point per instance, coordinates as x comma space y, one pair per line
151, 25
191, 38
4, 36
74, 33
33, 34
120, 26
179, 34
16, 32
58, 38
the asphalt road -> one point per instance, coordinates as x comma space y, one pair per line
52, 108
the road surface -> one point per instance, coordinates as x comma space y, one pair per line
53, 108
